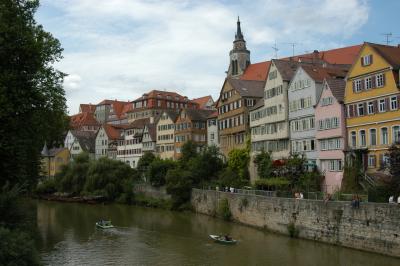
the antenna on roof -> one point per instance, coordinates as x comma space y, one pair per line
388, 35
293, 44
275, 50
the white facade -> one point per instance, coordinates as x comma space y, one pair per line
69, 140
149, 144
101, 143
212, 132
129, 149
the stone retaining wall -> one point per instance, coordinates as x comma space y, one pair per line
372, 227
152, 192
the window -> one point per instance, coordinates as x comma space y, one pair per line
368, 83
379, 80
366, 60
372, 136
382, 105
353, 139
396, 134
363, 141
371, 161
335, 165
370, 108
272, 75
357, 85
393, 103
360, 109
384, 135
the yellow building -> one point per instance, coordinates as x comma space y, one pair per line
53, 160
372, 101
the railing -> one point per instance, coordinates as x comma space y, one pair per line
287, 194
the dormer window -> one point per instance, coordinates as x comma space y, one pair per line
366, 60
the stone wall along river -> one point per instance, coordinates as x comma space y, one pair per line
372, 227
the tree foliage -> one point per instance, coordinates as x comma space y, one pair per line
157, 171
264, 164
394, 167
238, 161
32, 99
144, 163
179, 186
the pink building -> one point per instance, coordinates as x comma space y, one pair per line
331, 133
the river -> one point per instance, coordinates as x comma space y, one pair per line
145, 236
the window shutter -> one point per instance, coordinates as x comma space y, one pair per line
387, 104
365, 108
384, 78
370, 59
373, 78
362, 84
352, 110
362, 61
398, 101
375, 106
354, 86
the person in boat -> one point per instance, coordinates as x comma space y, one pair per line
227, 238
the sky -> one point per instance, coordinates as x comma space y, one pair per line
120, 49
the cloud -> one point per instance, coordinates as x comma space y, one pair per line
123, 48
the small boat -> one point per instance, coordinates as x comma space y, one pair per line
223, 239
104, 224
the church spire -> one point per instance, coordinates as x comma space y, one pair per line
238, 35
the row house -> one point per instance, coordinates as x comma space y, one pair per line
165, 132
190, 125
212, 129
372, 100
107, 141
130, 148
52, 160
155, 102
205, 103
149, 138
331, 133
84, 121
269, 119
82, 141
304, 92
236, 97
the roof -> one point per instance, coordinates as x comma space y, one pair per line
390, 53
139, 123
198, 114
260, 103
202, 101
86, 140
117, 106
55, 151
87, 108
152, 129
126, 109
113, 132
162, 94
172, 114
337, 87
83, 119
213, 114
319, 72
344, 55
287, 68
249, 88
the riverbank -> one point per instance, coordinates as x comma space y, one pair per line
373, 227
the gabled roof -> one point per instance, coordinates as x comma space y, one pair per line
344, 55
390, 53
202, 101
249, 88
86, 140
287, 68
113, 132
198, 114
152, 129
87, 108
83, 119
318, 73
259, 104
172, 114
337, 87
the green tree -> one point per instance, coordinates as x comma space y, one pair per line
189, 151
144, 163
294, 168
158, 170
394, 167
179, 186
264, 164
238, 161
32, 99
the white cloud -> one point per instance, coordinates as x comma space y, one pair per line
123, 48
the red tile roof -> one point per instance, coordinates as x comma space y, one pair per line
202, 101
117, 106
344, 55
87, 108
82, 119
163, 94
214, 114
113, 132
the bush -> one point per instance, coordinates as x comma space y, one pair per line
264, 164
380, 193
157, 171
230, 178
273, 183
47, 186
224, 210
238, 161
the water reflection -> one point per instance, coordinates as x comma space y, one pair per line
156, 237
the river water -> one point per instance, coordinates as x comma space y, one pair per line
145, 236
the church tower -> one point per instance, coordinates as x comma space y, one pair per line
239, 55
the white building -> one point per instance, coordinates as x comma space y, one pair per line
212, 130
106, 141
